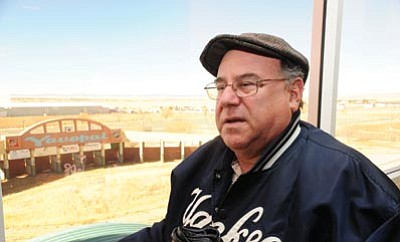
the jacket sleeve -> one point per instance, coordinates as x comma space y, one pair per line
154, 233
388, 232
375, 205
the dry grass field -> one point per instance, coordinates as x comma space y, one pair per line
370, 129
132, 193
138, 193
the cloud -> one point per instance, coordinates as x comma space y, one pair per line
29, 7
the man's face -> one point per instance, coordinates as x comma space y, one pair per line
248, 124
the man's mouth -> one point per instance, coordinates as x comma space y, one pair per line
233, 120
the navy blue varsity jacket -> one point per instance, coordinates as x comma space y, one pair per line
306, 187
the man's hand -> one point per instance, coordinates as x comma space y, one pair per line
190, 234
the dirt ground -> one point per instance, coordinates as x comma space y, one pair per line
34, 206
138, 193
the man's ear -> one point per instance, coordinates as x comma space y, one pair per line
296, 93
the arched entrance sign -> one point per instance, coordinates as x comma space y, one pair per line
61, 134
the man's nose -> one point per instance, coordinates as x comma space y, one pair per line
228, 96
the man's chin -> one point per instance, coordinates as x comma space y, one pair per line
234, 141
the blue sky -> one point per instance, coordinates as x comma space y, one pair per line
370, 51
152, 47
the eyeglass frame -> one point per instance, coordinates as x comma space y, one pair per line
235, 89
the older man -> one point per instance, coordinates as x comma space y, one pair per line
269, 176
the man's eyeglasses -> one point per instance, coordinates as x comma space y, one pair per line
242, 88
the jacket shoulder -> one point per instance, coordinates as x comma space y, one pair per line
328, 153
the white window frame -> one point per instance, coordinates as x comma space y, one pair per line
324, 71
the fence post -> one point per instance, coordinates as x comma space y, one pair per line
121, 152
6, 166
82, 158
162, 144
58, 160
141, 151
32, 166
182, 146
103, 155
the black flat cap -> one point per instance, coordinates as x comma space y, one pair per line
256, 43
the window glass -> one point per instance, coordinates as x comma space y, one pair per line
68, 126
53, 127
82, 125
37, 130
132, 66
94, 126
369, 91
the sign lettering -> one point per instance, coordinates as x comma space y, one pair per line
48, 140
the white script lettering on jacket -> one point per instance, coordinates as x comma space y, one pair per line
199, 219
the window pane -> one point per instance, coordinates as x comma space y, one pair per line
127, 65
53, 127
68, 126
37, 130
369, 90
82, 125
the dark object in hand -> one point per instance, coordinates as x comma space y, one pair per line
190, 234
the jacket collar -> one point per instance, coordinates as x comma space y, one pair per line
279, 145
